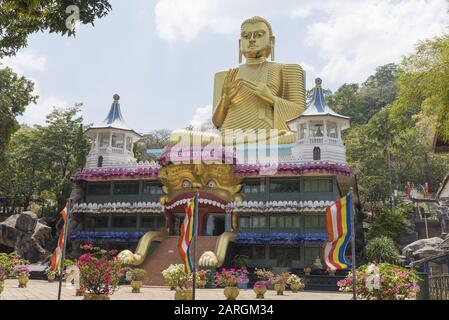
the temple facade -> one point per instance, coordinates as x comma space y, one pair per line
273, 214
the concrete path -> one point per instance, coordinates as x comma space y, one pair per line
43, 290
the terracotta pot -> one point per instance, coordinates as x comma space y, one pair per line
93, 296
136, 285
201, 284
260, 292
279, 287
297, 287
23, 280
184, 294
231, 293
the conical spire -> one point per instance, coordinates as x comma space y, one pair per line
114, 118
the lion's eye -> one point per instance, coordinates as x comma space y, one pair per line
186, 184
211, 184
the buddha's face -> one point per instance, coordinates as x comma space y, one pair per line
255, 40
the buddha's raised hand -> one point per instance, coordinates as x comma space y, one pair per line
230, 85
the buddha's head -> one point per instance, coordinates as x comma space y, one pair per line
256, 39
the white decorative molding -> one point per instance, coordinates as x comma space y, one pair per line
278, 206
125, 207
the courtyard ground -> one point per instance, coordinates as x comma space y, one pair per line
43, 290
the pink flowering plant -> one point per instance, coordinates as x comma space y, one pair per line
100, 270
21, 270
382, 282
229, 278
2, 275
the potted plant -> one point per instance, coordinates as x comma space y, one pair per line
22, 272
2, 279
203, 276
51, 274
229, 280
280, 282
260, 288
295, 283
171, 274
137, 277
100, 273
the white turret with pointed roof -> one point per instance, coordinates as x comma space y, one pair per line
112, 140
318, 131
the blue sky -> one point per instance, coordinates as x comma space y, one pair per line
161, 56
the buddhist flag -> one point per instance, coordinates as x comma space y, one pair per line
187, 232
338, 221
57, 254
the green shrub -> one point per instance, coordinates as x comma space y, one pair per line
382, 249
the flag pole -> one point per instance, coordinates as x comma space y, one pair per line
195, 231
354, 275
66, 229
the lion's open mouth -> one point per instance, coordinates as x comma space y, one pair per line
203, 198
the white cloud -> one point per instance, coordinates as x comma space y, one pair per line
202, 116
25, 61
185, 19
353, 37
28, 62
37, 113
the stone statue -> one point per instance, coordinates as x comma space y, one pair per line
258, 94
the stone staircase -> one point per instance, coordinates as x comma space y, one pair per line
166, 253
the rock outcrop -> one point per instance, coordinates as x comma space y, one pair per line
31, 239
423, 248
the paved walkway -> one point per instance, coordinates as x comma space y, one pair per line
43, 290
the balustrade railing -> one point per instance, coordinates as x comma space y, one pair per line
319, 140
439, 287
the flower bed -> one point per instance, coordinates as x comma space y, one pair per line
382, 282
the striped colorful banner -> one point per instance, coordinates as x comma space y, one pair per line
57, 254
338, 221
187, 232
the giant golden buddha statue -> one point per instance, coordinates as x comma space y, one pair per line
258, 94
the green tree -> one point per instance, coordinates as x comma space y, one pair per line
391, 224
424, 86
63, 150
382, 250
20, 18
15, 94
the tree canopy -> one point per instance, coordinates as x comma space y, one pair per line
20, 18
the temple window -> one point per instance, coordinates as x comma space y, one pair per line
284, 255
259, 252
126, 188
244, 222
153, 222
284, 185
315, 222
124, 221
118, 140
253, 186
129, 143
99, 189
284, 222
152, 188
316, 129
316, 153
332, 130
302, 131
318, 184
97, 222
259, 222
103, 139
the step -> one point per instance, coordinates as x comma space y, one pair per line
167, 253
